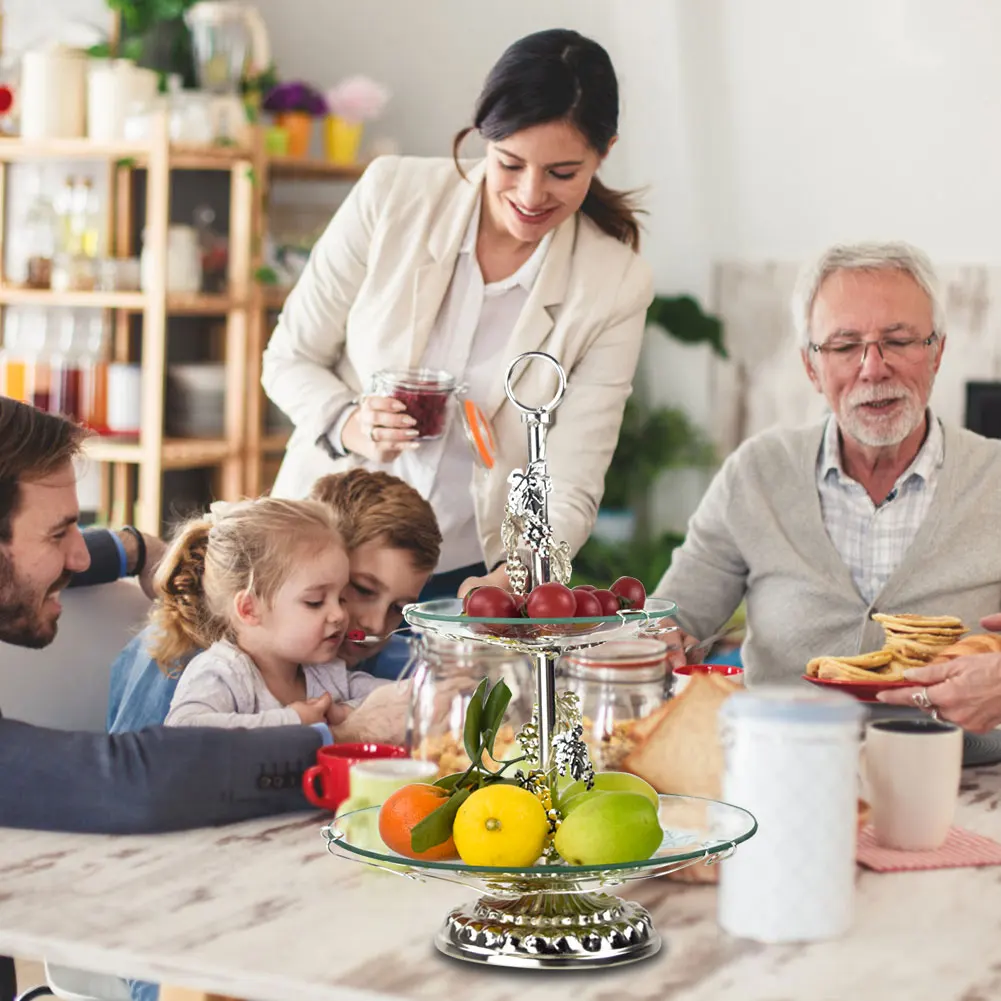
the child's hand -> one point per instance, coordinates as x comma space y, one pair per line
313, 710
338, 713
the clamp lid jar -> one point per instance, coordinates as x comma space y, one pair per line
618, 683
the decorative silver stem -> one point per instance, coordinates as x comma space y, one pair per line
533, 506
545, 686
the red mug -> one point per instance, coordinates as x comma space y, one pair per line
326, 784
683, 673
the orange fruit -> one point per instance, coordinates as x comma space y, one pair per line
403, 811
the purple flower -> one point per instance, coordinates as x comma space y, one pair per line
295, 95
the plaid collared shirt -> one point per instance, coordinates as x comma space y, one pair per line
872, 539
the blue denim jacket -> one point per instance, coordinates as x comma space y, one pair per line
139, 693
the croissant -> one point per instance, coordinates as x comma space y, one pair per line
977, 643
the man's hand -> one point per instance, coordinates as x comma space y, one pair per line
965, 691
498, 578
381, 718
155, 548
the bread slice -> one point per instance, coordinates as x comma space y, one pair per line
977, 643
683, 753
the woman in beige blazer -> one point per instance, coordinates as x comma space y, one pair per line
436, 264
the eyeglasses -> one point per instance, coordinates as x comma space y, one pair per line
850, 353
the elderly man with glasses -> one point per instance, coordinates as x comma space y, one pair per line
880, 508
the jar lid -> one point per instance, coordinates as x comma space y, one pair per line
463, 651
620, 660
786, 704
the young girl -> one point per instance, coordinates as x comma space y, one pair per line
257, 586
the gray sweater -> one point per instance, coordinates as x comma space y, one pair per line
759, 534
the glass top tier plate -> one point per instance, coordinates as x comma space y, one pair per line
444, 616
695, 831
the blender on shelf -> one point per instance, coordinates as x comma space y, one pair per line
229, 39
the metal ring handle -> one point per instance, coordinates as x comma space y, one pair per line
555, 401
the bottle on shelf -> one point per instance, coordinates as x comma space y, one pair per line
40, 238
86, 218
94, 365
13, 367
37, 360
63, 205
65, 370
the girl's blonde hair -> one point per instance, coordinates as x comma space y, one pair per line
250, 546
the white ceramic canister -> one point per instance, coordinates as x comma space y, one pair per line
792, 759
184, 261
124, 398
53, 98
111, 89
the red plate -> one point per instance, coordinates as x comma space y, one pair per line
864, 691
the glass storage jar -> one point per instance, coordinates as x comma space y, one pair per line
618, 684
427, 394
446, 673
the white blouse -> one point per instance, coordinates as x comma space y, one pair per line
468, 339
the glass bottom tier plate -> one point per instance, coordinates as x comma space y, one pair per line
556, 916
444, 617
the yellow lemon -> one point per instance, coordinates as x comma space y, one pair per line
500, 825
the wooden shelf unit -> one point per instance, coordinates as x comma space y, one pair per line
244, 449
263, 449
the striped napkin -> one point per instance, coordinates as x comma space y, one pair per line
961, 848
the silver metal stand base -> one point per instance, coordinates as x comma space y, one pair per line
563, 931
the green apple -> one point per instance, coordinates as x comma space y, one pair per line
608, 829
610, 782
569, 804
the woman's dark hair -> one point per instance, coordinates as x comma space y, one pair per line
559, 75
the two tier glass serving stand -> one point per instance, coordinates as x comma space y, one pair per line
553, 916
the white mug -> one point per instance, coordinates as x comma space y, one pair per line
912, 769
372, 782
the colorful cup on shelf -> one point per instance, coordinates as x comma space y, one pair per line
275, 141
327, 783
342, 140
683, 674
298, 128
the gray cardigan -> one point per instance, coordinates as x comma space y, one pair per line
759, 534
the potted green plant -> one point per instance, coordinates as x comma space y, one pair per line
652, 440
295, 104
154, 34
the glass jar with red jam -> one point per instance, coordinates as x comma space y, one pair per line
427, 394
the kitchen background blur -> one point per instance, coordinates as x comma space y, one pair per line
758, 134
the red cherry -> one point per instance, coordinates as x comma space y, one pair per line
631, 591
551, 601
609, 602
490, 602
587, 604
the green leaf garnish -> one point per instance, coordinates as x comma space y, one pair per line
474, 720
436, 827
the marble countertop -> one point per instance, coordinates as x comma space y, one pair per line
261, 911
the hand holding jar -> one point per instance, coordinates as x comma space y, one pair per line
379, 429
406, 407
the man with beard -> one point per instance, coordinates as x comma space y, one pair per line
158, 779
878, 509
